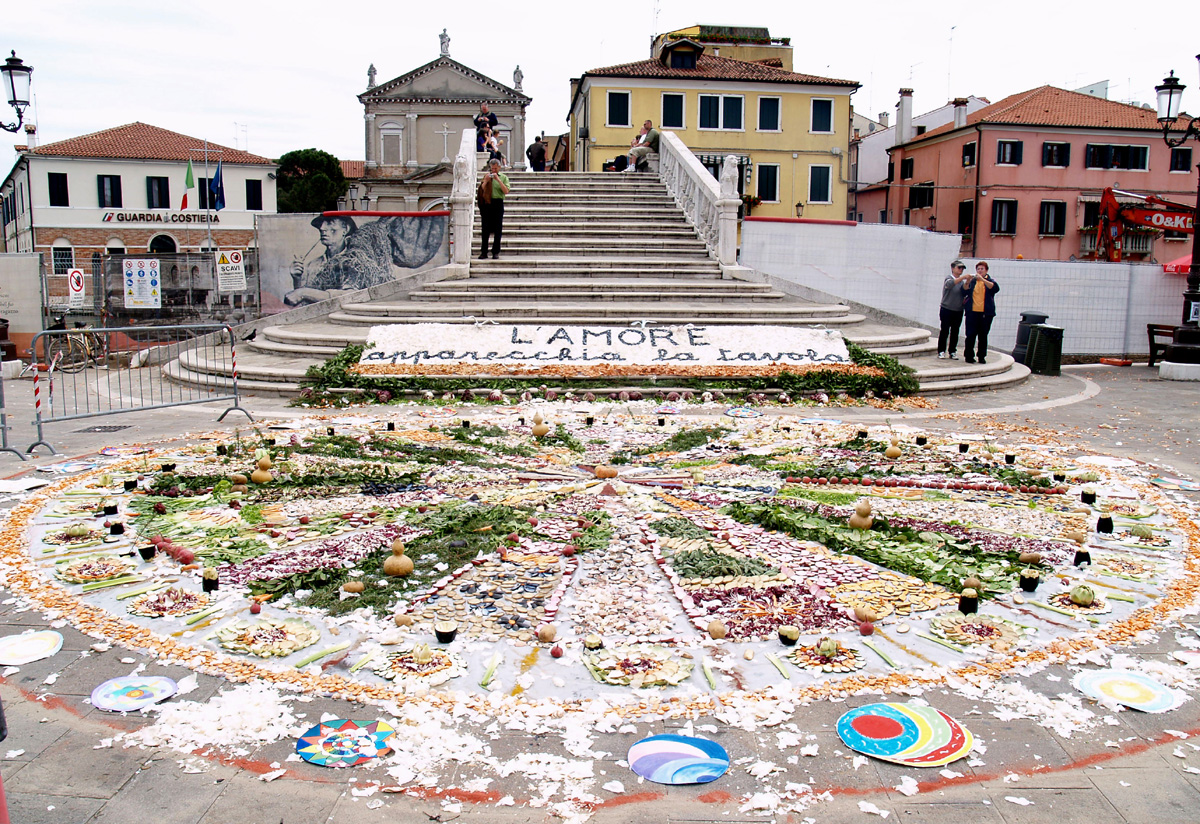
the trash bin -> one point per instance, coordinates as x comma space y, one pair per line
1028, 321
1045, 350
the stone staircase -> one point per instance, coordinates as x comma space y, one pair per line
586, 248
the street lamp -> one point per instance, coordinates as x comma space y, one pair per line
16, 88
799, 208
1185, 343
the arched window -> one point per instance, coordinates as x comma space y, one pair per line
163, 244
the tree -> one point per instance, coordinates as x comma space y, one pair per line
309, 180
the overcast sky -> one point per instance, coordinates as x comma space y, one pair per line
271, 77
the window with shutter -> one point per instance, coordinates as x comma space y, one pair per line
618, 109
108, 191
968, 154
1053, 219
1057, 155
906, 168
1004, 217
57, 184
1008, 152
822, 116
672, 111
1181, 159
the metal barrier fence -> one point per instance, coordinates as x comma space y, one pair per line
4, 447
88, 372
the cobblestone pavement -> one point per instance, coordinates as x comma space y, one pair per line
1138, 771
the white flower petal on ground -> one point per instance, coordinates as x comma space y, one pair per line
1023, 802
868, 807
907, 786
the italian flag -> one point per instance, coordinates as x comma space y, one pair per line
189, 183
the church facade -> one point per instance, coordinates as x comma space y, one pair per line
413, 125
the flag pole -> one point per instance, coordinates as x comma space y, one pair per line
207, 198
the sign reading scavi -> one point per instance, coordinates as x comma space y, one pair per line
160, 217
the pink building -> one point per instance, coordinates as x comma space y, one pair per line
1023, 176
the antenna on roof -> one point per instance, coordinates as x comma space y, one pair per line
949, 63
654, 21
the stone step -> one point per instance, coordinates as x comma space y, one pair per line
574, 247
589, 296
943, 376
594, 312
550, 287
669, 266
576, 228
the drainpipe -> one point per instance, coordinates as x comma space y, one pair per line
978, 166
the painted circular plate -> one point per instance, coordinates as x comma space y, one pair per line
117, 451
908, 734
743, 412
1134, 690
678, 759
667, 410
344, 743
130, 693
438, 412
16, 650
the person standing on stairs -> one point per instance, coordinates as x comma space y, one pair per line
951, 310
491, 210
536, 153
979, 302
642, 145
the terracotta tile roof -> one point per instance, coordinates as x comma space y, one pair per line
141, 141
1051, 106
709, 67
353, 169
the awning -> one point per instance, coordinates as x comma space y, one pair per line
1179, 267
1122, 200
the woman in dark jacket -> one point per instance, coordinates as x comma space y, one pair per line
979, 303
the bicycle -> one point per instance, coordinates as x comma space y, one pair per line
76, 349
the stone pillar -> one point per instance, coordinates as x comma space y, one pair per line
412, 203
369, 150
727, 208
517, 150
410, 150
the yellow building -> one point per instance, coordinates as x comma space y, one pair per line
739, 42
791, 131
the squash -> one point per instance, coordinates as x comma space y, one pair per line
717, 630
403, 619
398, 565
893, 452
238, 478
605, 472
863, 508
861, 519
540, 428
353, 586
260, 476
265, 463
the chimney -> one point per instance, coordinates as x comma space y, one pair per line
904, 129
883, 119
960, 112
31, 135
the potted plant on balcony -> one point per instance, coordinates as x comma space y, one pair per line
748, 204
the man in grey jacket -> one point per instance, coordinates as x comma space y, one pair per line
951, 310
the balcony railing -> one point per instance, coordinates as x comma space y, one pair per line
1133, 243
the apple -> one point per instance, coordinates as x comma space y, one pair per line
255, 608
304, 519
556, 651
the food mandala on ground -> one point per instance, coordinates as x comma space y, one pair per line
968, 630
1140, 536
893, 593
1127, 509
1126, 566
74, 534
752, 612
420, 666
1098, 605
172, 602
95, 568
827, 656
637, 665
268, 637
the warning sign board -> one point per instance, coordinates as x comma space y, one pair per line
75, 289
231, 272
143, 283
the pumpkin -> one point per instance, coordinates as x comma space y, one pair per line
1083, 595
860, 521
238, 478
892, 452
827, 647
353, 586
605, 472
717, 629
398, 544
547, 633
398, 565
260, 476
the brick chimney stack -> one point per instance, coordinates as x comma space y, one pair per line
904, 127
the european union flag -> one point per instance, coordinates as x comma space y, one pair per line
217, 187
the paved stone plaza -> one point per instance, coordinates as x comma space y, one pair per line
61, 764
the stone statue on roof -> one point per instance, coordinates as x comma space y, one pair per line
371, 76
445, 38
518, 77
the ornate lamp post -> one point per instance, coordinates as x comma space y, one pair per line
799, 208
16, 88
1185, 345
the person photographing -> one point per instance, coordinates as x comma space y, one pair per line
492, 190
979, 304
